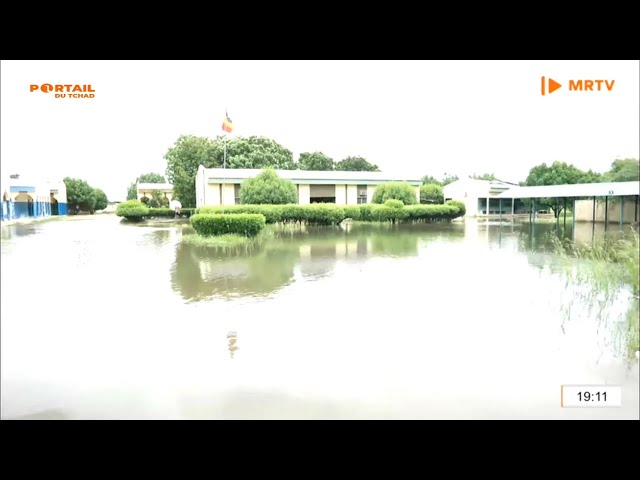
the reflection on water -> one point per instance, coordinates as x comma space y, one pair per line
200, 272
461, 320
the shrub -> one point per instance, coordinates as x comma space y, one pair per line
459, 205
431, 193
393, 203
322, 214
145, 200
246, 224
395, 190
133, 210
352, 212
268, 188
384, 213
101, 200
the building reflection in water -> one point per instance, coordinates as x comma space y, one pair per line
232, 339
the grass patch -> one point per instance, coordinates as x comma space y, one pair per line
607, 268
229, 240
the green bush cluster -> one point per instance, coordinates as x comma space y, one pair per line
132, 210
459, 205
136, 210
246, 224
268, 188
331, 214
393, 203
395, 191
315, 214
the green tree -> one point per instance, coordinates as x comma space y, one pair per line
356, 164
484, 176
448, 179
429, 180
268, 188
431, 193
395, 191
80, 194
189, 152
101, 200
558, 173
624, 170
132, 193
315, 161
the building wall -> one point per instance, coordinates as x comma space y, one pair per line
212, 195
584, 211
60, 195
200, 192
352, 194
341, 194
228, 194
344, 194
304, 194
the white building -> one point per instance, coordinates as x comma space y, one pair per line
217, 186
478, 194
145, 190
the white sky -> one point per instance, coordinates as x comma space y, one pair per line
409, 117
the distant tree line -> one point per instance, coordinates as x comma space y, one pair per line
82, 197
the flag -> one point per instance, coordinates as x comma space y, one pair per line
227, 124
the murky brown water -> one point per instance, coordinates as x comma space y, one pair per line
103, 320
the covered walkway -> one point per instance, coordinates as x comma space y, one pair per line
618, 190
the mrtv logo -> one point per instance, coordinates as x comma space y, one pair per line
68, 90
548, 86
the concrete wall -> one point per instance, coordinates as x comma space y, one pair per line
304, 194
341, 194
228, 194
352, 194
584, 211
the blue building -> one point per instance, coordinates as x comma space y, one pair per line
26, 198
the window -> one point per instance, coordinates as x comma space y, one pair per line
362, 194
236, 193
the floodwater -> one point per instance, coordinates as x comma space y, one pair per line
102, 320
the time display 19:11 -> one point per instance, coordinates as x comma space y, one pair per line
592, 397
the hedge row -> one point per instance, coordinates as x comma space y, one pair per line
331, 214
135, 210
246, 224
169, 213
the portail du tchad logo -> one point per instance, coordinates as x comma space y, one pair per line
65, 91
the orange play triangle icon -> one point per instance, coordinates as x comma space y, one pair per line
553, 85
